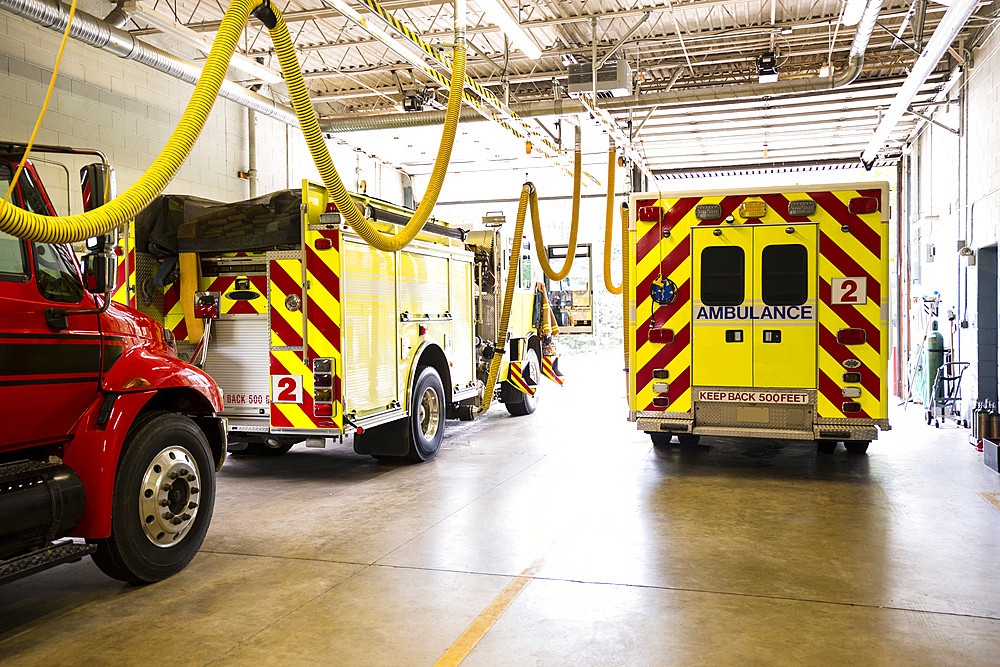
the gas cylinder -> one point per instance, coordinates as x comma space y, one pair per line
978, 421
935, 359
993, 424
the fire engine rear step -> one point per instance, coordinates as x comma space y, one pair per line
58, 553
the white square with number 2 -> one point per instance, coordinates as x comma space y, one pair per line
286, 389
848, 291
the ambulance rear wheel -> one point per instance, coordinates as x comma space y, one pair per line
688, 439
518, 403
826, 446
856, 446
661, 439
427, 414
163, 499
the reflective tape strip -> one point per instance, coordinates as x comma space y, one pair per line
516, 378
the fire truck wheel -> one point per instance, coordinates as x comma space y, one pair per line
688, 440
856, 446
427, 416
826, 446
519, 403
163, 500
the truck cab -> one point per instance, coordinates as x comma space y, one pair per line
107, 435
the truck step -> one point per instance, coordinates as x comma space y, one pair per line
21, 469
58, 553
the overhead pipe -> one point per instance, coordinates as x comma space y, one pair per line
98, 33
847, 76
939, 42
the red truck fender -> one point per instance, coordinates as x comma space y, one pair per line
97, 443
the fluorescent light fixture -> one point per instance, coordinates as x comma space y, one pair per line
500, 15
201, 42
853, 11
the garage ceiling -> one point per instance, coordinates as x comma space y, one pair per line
685, 47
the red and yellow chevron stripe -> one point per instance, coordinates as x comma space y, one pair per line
324, 318
549, 371
234, 301
125, 291
515, 376
662, 247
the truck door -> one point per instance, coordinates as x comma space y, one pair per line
50, 375
784, 292
571, 299
723, 305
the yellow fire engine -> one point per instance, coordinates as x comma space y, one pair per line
760, 313
330, 336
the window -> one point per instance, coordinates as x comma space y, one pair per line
55, 271
13, 251
31, 195
722, 276
784, 275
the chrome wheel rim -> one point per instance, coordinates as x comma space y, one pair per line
168, 497
429, 413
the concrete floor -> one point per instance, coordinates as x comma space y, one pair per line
738, 553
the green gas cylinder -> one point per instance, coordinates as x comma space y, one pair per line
935, 359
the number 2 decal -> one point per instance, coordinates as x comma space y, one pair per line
286, 388
848, 291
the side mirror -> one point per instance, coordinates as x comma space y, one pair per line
100, 272
98, 184
207, 305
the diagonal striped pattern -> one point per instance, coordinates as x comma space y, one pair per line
662, 248
125, 290
516, 377
550, 372
323, 313
861, 253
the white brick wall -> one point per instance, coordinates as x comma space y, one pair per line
128, 111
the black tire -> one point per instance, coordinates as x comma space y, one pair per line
688, 439
166, 458
263, 449
826, 446
427, 416
856, 446
518, 403
661, 439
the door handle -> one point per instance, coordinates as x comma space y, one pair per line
772, 335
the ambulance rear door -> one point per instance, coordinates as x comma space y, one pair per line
784, 292
723, 263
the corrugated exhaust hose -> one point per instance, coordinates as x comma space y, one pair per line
536, 224
66, 229
608, 225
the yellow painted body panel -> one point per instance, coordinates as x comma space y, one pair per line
462, 353
370, 351
792, 361
715, 361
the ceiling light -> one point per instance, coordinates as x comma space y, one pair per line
500, 15
767, 67
853, 11
191, 38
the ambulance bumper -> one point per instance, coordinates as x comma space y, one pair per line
854, 429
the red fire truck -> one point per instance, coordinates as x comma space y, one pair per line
107, 435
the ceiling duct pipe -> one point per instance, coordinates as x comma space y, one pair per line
850, 73
93, 31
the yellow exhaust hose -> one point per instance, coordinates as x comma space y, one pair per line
24, 224
527, 192
608, 226
551, 273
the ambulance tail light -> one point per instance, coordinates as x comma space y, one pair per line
331, 216
708, 211
323, 410
650, 213
862, 205
753, 209
661, 402
323, 244
850, 407
852, 336
661, 336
